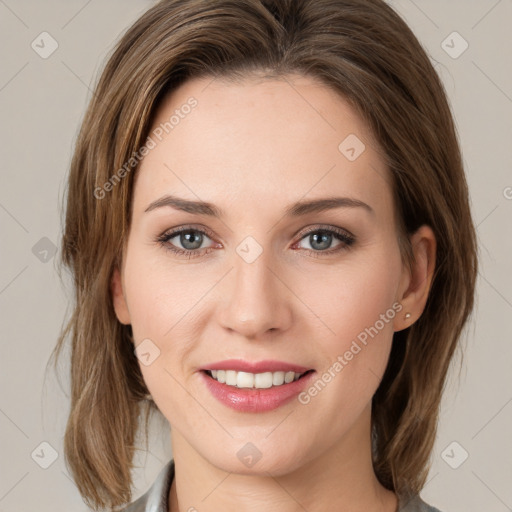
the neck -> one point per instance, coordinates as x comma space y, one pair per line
341, 478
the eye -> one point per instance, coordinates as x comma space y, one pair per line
190, 239
320, 240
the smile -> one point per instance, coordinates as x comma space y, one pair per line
255, 392
254, 380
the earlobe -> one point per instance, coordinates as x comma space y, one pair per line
419, 280
118, 298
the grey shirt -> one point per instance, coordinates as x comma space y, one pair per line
156, 497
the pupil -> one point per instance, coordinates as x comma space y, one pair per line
185, 240
325, 241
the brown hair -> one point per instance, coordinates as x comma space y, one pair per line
363, 50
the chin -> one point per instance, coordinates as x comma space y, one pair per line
249, 460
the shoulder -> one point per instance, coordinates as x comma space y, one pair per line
155, 499
413, 503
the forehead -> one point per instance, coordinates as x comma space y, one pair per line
260, 142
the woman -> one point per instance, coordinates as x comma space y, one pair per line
271, 242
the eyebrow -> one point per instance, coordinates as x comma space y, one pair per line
295, 210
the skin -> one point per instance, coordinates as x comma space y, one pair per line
251, 149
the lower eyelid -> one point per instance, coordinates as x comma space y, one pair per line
343, 245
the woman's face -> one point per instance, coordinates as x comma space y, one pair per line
271, 273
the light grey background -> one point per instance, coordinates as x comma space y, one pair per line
42, 102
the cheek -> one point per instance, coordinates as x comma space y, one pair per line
162, 302
162, 321
353, 298
160, 295
358, 306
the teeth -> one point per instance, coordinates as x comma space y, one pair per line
254, 380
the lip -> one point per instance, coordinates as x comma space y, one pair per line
240, 365
255, 400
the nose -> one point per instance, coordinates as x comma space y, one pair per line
257, 301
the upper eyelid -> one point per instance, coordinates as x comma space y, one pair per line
325, 227
179, 229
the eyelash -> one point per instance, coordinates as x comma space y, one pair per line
346, 239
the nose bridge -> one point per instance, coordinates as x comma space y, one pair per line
257, 300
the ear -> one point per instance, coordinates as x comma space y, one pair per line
118, 298
415, 285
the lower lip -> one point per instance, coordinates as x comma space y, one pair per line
255, 400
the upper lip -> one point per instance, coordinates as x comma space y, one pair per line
240, 365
